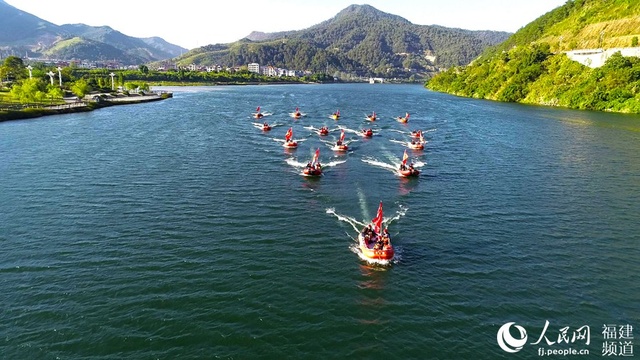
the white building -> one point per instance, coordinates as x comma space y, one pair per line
254, 68
594, 58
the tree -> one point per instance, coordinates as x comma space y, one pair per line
13, 69
143, 69
29, 91
80, 88
54, 93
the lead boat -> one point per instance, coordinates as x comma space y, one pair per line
313, 168
375, 243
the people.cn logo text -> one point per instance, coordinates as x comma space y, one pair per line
509, 343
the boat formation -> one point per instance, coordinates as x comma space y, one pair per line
374, 242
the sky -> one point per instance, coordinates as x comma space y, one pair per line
195, 23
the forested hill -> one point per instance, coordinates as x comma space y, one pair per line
532, 66
360, 39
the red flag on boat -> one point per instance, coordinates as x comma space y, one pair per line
377, 221
342, 136
258, 109
315, 157
289, 134
405, 157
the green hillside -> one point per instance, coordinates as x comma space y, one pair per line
360, 39
531, 67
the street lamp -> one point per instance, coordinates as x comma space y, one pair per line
29, 68
112, 86
51, 75
60, 75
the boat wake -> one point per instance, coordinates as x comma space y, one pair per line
383, 165
409, 133
353, 131
295, 163
292, 140
260, 125
357, 225
391, 167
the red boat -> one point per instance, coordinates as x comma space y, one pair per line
403, 119
323, 131
288, 142
296, 114
258, 114
416, 145
313, 168
367, 132
374, 243
416, 134
407, 171
312, 171
340, 145
266, 127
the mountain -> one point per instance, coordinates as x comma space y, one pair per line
360, 39
532, 66
21, 33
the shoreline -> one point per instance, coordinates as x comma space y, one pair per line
81, 106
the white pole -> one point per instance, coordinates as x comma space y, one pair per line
60, 75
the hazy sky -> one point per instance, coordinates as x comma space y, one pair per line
194, 23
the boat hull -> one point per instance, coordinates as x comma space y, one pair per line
290, 145
370, 253
311, 172
408, 173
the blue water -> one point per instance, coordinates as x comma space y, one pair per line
178, 230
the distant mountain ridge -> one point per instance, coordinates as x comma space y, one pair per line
359, 39
23, 33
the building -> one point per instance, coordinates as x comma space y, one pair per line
254, 68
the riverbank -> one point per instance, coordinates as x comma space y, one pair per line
96, 101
